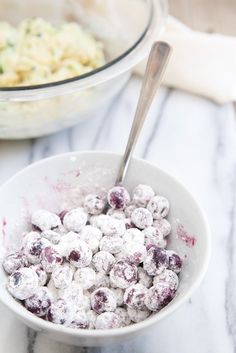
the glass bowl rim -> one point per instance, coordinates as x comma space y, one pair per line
92, 73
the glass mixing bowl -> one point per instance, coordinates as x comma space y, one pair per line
126, 27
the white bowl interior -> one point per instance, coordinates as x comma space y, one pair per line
60, 182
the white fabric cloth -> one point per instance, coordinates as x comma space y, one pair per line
201, 63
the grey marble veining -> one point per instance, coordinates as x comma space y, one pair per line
195, 140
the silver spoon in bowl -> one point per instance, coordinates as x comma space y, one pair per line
156, 65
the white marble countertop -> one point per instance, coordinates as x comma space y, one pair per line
195, 140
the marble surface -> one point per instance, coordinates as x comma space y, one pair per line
195, 140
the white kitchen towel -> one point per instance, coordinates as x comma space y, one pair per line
201, 63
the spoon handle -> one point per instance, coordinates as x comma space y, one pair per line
156, 65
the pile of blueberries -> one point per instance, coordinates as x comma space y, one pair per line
103, 265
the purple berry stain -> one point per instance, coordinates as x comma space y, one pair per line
17, 278
4, 224
74, 256
100, 299
36, 228
183, 235
62, 214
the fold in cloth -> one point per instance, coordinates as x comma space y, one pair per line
201, 63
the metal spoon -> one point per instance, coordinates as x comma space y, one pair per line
157, 62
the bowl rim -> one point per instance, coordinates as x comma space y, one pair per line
26, 316
113, 68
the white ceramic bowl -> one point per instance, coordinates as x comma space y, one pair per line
56, 181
